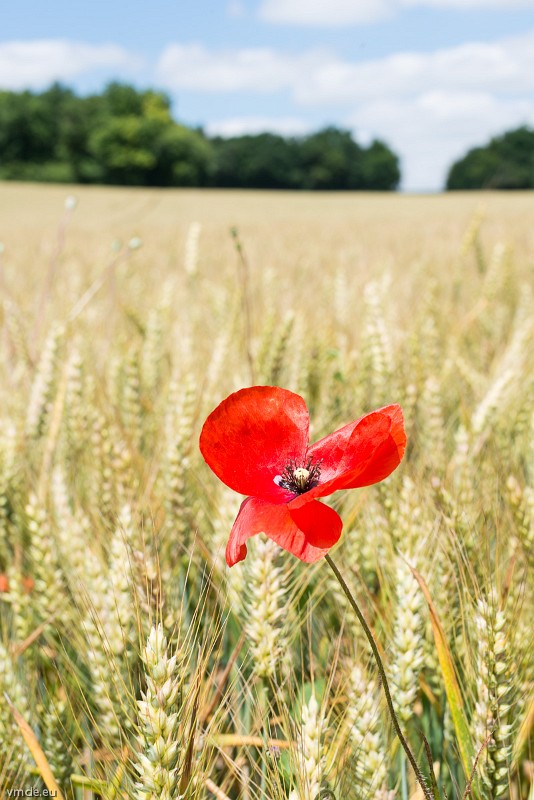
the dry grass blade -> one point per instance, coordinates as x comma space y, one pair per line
215, 790
35, 749
237, 740
20, 648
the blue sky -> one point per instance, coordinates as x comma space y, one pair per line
430, 77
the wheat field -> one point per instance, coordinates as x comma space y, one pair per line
133, 662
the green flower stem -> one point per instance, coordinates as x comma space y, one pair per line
383, 677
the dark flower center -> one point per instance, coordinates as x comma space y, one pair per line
299, 478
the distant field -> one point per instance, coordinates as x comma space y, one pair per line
127, 316
352, 224
298, 240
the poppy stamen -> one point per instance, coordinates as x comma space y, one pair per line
299, 478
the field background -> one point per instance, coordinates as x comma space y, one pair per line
127, 317
370, 225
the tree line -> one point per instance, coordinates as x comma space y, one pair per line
506, 162
124, 136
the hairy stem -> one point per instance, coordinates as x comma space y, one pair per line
382, 672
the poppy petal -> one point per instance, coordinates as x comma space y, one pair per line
320, 524
242, 529
362, 453
307, 532
252, 435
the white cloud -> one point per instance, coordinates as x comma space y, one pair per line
238, 126
337, 13
318, 78
330, 13
261, 70
36, 63
504, 66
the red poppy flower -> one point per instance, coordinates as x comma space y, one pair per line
256, 442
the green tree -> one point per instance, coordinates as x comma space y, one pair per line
122, 148
331, 159
121, 100
25, 133
145, 147
184, 157
381, 169
31, 144
127, 136
506, 162
262, 161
